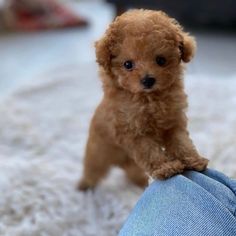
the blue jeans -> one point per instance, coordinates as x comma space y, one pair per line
197, 204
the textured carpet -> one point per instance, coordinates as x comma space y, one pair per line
43, 130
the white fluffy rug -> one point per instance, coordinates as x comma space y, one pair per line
43, 130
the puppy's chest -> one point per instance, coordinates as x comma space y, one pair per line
141, 119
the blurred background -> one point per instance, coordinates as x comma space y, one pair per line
49, 89
29, 45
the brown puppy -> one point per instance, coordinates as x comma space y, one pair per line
141, 124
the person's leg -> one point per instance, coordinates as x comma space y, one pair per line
190, 204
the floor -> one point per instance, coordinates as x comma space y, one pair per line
25, 56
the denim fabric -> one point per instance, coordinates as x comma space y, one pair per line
198, 204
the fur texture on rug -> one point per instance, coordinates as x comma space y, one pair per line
43, 130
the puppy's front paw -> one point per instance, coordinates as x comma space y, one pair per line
196, 163
168, 169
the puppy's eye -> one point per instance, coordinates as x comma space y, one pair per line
129, 65
161, 61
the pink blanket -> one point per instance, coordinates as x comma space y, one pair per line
40, 14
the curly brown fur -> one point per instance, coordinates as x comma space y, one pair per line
143, 130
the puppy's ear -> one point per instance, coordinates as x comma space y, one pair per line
103, 53
187, 47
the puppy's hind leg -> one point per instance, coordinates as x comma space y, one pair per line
96, 162
100, 155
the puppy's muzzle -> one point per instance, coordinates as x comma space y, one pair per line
148, 82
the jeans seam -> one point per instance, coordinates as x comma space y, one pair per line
234, 189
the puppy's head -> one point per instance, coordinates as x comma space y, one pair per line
143, 50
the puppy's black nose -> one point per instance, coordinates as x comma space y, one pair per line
148, 82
